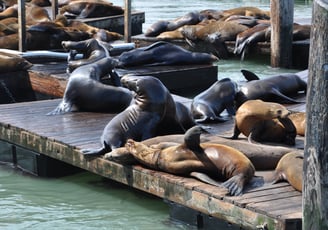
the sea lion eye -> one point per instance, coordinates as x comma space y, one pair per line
279, 112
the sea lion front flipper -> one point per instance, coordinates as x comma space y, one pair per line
62, 108
94, 152
192, 139
235, 185
249, 76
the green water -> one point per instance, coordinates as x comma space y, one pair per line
85, 201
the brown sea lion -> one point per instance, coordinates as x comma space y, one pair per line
299, 121
171, 35
151, 107
290, 168
264, 122
36, 14
11, 11
85, 92
276, 88
91, 49
247, 11
209, 104
218, 161
90, 9
12, 63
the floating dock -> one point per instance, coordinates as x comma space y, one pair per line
49, 145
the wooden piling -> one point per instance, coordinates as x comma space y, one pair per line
282, 17
315, 170
21, 28
127, 21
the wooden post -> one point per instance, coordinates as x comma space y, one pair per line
315, 170
22, 27
127, 21
282, 17
54, 9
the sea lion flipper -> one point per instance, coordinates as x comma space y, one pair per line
94, 152
284, 98
62, 108
235, 185
192, 138
249, 76
205, 178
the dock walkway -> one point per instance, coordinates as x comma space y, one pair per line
26, 126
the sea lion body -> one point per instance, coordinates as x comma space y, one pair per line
247, 11
276, 88
290, 168
90, 9
140, 120
264, 121
85, 92
208, 105
163, 53
220, 161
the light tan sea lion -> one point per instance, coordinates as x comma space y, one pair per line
299, 121
290, 168
248, 11
264, 122
218, 161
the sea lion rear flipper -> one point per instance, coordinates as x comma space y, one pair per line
284, 98
249, 76
235, 185
205, 178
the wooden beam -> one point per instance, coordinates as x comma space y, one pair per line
127, 21
54, 9
282, 17
22, 27
315, 170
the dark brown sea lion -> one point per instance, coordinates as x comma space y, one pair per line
151, 107
290, 168
264, 122
91, 49
85, 92
249, 37
208, 105
13, 63
276, 88
90, 9
299, 121
163, 53
218, 161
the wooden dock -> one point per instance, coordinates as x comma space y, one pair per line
29, 139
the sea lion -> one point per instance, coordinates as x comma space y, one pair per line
264, 122
156, 28
209, 104
84, 92
151, 106
219, 161
299, 121
276, 88
171, 35
13, 63
163, 53
290, 168
91, 49
90, 9
247, 11
262, 156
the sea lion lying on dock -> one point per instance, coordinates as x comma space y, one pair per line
209, 104
219, 161
13, 63
262, 156
163, 53
299, 121
85, 92
90, 9
273, 89
264, 122
151, 110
